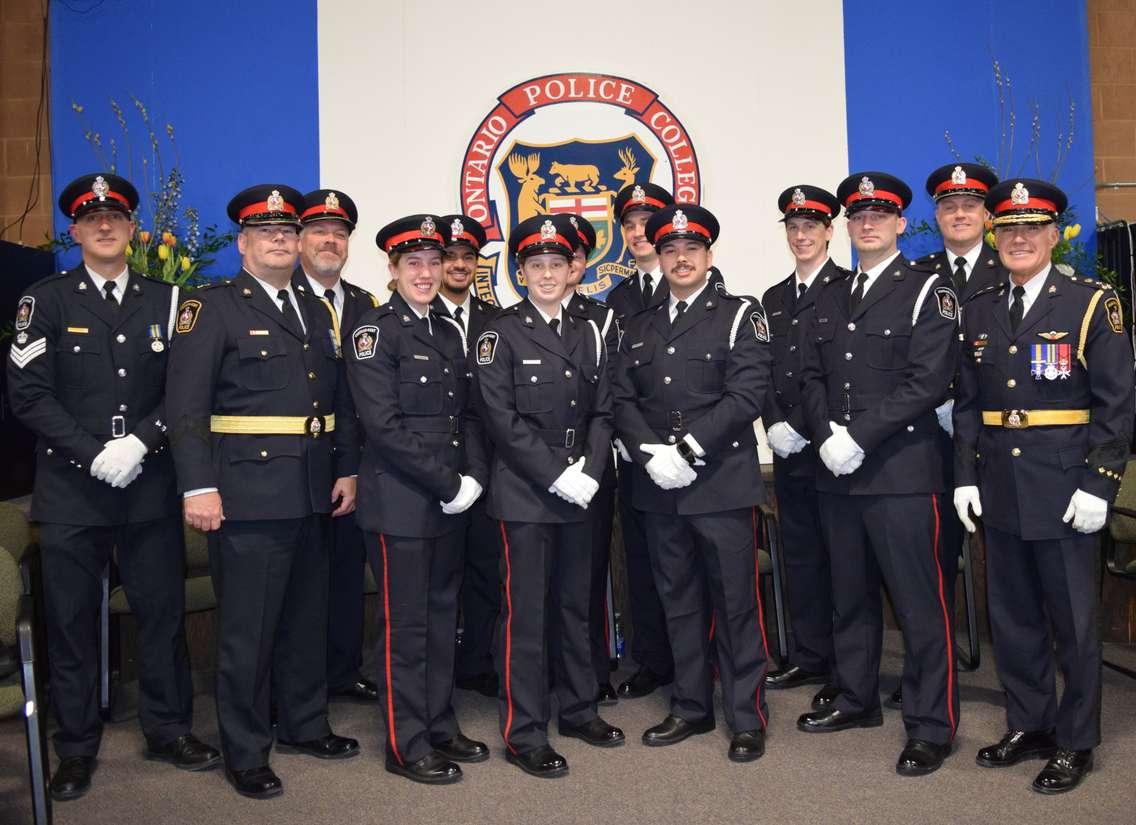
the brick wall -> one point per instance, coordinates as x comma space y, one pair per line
1112, 60
21, 73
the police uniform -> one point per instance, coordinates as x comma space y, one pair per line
546, 404
345, 544
698, 383
1043, 410
808, 579
260, 412
410, 382
879, 369
85, 372
481, 587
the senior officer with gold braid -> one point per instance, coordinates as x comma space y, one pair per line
87, 375
422, 468
1043, 422
690, 380
264, 439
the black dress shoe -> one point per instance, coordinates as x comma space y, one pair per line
747, 746
1018, 745
920, 757
595, 732
361, 690
1064, 771
673, 730
483, 683
463, 749
825, 697
895, 701
256, 783
791, 677
431, 769
326, 747
605, 694
186, 752
642, 683
543, 762
831, 719
72, 778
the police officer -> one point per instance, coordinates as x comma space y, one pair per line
691, 378
601, 511
881, 352
87, 376
327, 221
422, 468
1043, 422
650, 647
264, 439
480, 588
807, 212
546, 404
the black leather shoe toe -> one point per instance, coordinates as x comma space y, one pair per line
673, 730
595, 732
431, 769
542, 762
72, 778
1064, 771
463, 749
186, 752
747, 746
919, 757
256, 783
605, 694
326, 747
895, 701
791, 677
642, 683
361, 690
1017, 746
831, 719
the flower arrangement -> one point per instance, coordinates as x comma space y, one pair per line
173, 248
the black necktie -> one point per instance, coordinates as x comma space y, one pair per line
960, 275
680, 308
647, 290
291, 320
554, 323
108, 291
1017, 308
330, 295
858, 292
801, 290
458, 317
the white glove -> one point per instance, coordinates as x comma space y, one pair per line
943, 413
619, 448
667, 468
118, 461
469, 492
840, 452
1088, 512
573, 486
784, 440
967, 502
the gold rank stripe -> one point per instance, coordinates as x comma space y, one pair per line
80, 330
265, 424
1038, 418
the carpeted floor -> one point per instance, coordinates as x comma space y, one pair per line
845, 777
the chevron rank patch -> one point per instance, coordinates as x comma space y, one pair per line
187, 316
22, 356
760, 326
364, 339
948, 304
486, 348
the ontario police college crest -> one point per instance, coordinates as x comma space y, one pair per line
570, 143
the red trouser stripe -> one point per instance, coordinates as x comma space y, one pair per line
760, 620
946, 620
508, 639
387, 651
713, 625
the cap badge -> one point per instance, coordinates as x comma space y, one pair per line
798, 197
100, 187
637, 194
1020, 195
331, 201
572, 220
547, 231
275, 201
456, 228
428, 226
867, 188
958, 176
679, 220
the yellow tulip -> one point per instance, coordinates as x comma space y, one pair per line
129, 250
144, 236
1072, 231
164, 252
990, 239
185, 263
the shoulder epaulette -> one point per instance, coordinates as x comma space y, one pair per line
984, 291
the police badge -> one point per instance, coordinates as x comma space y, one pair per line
100, 188
547, 231
638, 194
275, 201
331, 202
486, 348
867, 188
760, 327
1020, 195
798, 197
24, 311
679, 221
364, 340
187, 316
428, 227
456, 228
958, 176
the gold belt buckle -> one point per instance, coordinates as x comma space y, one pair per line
1015, 419
314, 426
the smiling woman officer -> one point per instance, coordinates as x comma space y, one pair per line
422, 467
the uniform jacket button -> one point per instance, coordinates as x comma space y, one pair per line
121, 372
1015, 452
851, 327
120, 338
847, 356
670, 439
670, 351
1013, 349
312, 376
533, 379
264, 453
1011, 383
76, 348
666, 379
567, 373
911, 428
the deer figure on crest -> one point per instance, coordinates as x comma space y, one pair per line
524, 169
630, 167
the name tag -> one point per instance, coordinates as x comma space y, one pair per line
258, 332
774, 314
80, 330
636, 346
421, 357
531, 361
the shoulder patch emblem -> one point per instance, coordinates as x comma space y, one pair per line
187, 316
760, 327
24, 312
948, 304
1114, 313
364, 339
486, 348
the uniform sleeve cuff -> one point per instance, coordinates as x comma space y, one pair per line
199, 491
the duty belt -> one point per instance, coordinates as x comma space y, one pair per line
1022, 419
312, 425
558, 437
